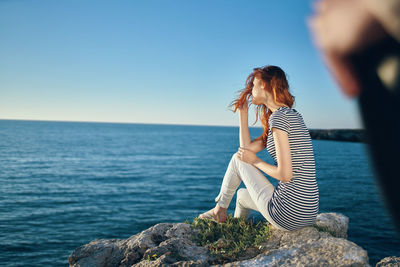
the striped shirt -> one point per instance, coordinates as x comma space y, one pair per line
294, 204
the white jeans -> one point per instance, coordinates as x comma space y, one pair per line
255, 196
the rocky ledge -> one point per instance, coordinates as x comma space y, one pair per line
348, 135
171, 244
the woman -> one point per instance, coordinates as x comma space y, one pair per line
294, 203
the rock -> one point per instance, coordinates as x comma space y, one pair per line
389, 262
349, 135
334, 223
171, 244
317, 251
98, 253
168, 242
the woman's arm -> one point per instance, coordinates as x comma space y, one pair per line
283, 171
244, 135
256, 145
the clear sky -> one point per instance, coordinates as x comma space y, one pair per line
169, 62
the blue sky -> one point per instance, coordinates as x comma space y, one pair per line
169, 62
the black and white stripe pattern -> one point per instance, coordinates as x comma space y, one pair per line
294, 204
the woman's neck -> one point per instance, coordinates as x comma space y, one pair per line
275, 107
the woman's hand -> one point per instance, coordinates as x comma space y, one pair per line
244, 108
247, 155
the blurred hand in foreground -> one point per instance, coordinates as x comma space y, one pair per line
341, 28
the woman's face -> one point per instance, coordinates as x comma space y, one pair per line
259, 93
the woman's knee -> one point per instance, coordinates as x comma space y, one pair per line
241, 191
240, 194
234, 156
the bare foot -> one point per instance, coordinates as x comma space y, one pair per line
220, 212
217, 212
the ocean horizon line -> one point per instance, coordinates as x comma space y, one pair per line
166, 124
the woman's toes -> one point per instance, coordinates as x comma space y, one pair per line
206, 214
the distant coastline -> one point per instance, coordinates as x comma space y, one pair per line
348, 135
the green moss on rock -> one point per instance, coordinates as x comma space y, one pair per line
232, 240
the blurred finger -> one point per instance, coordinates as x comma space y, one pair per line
344, 73
321, 33
319, 6
322, 6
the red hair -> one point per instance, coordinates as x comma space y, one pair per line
275, 82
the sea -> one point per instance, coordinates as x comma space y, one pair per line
64, 184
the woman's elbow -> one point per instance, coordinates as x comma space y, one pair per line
287, 177
285, 173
